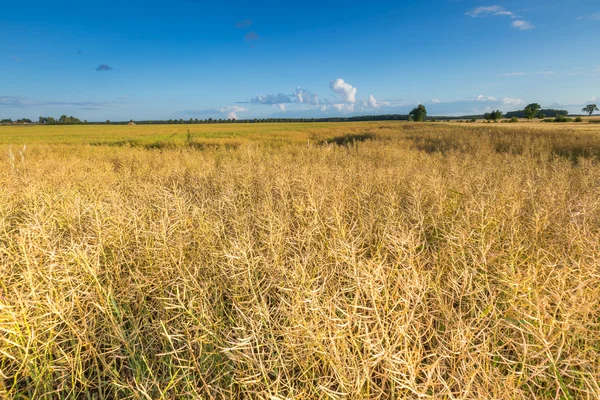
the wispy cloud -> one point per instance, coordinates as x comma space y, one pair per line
489, 10
502, 12
251, 36
528, 73
246, 23
522, 25
230, 112
23, 102
593, 17
103, 67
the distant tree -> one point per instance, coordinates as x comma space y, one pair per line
590, 108
418, 113
487, 117
532, 110
541, 115
43, 120
496, 115
107, 122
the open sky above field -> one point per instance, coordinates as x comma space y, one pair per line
196, 59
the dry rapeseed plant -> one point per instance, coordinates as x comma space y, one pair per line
426, 262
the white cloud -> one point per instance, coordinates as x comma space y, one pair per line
482, 98
594, 17
271, 99
528, 73
323, 107
373, 103
345, 90
501, 11
305, 97
490, 99
508, 101
342, 107
594, 98
280, 106
490, 10
522, 25
232, 111
435, 101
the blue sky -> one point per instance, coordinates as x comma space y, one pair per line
197, 59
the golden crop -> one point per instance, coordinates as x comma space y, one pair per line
367, 260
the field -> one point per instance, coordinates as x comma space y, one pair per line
337, 261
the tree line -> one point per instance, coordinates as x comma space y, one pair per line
418, 114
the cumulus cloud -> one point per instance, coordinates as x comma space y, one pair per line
271, 99
371, 102
522, 25
594, 98
280, 106
232, 111
435, 101
343, 89
305, 97
103, 67
343, 107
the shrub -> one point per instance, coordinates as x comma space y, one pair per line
578, 119
562, 118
